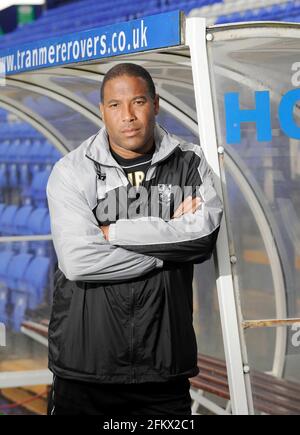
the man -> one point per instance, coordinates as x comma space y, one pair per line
132, 209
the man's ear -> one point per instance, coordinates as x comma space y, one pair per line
156, 104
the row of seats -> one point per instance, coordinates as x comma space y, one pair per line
74, 17
11, 130
24, 220
22, 175
27, 151
70, 18
26, 159
35, 193
23, 279
3, 115
277, 12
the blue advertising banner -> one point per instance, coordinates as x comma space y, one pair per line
148, 33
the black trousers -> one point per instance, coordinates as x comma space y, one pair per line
69, 397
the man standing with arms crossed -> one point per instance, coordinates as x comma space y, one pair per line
126, 234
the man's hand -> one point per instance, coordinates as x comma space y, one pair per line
189, 205
105, 231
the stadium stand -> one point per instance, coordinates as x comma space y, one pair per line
289, 11
73, 17
25, 267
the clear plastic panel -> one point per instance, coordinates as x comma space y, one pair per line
175, 126
273, 393
255, 280
267, 218
207, 323
70, 123
251, 78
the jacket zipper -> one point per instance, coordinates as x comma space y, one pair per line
132, 337
132, 324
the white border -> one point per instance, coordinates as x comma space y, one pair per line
7, 3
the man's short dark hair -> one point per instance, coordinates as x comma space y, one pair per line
132, 70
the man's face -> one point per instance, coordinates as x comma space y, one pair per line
128, 112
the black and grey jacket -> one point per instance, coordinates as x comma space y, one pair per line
123, 310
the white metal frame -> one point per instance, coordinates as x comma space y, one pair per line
199, 398
23, 378
239, 388
7, 3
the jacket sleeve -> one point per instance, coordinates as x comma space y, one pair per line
82, 251
189, 238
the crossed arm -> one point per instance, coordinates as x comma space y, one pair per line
129, 248
191, 234
83, 253
189, 205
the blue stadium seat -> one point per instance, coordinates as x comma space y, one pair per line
38, 188
21, 220
15, 273
5, 258
36, 221
3, 166
46, 228
47, 154
3, 176
13, 179
7, 220
45, 247
3, 303
35, 280
2, 208
16, 270
24, 175
20, 306
3, 115
35, 151
55, 155
26, 284
23, 160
